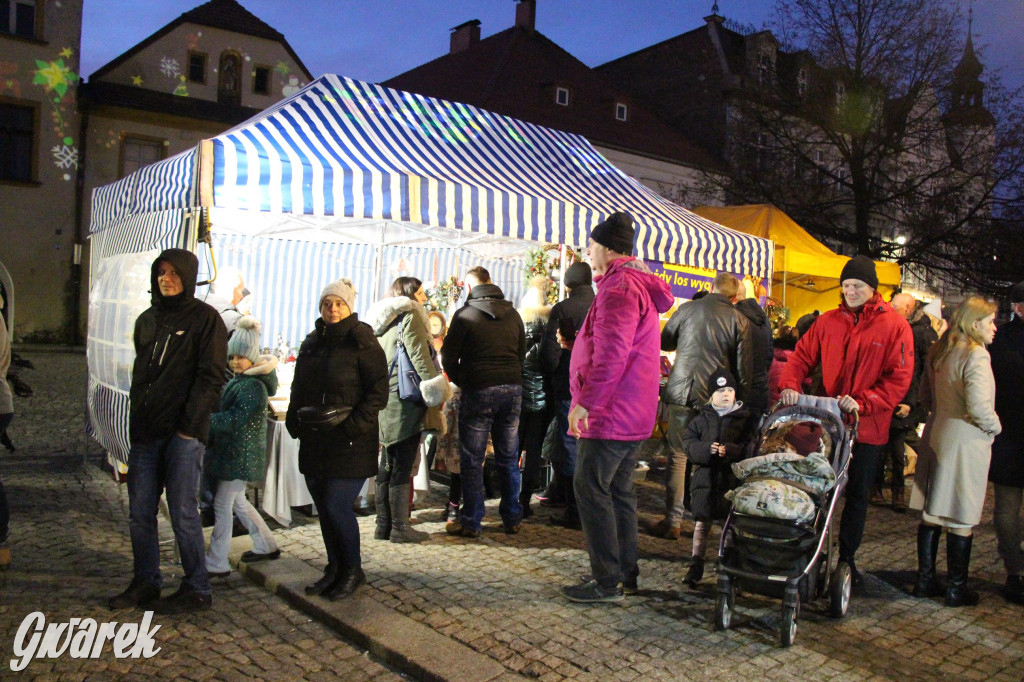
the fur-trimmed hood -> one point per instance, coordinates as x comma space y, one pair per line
265, 364
535, 314
384, 312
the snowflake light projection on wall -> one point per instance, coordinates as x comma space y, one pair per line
169, 67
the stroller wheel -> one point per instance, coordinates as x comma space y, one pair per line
839, 590
789, 616
725, 601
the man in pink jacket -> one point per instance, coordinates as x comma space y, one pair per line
613, 378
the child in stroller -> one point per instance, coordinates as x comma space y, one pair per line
715, 438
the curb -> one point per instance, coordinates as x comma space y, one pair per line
413, 648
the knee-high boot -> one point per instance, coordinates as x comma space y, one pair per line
958, 559
382, 494
571, 517
401, 531
927, 549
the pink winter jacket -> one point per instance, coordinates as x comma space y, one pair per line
614, 370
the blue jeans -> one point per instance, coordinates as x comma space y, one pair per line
607, 503
568, 440
494, 412
175, 464
334, 499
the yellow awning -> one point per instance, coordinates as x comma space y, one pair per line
806, 270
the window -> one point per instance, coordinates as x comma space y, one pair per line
18, 17
764, 66
261, 80
197, 67
562, 96
229, 79
17, 139
621, 112
801, 82
137, 152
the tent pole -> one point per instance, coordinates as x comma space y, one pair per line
561, 276
378, 264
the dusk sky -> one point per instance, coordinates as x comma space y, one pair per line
374, 40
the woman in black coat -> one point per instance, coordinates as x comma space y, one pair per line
340, 364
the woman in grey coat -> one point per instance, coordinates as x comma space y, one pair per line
401, 316
953, 460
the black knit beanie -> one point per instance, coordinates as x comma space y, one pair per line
615, 233
862, 268
578, 274
721, 378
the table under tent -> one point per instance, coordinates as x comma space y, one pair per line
347, 178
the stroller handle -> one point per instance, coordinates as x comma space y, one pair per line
816, 401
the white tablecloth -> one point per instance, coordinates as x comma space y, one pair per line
284, 486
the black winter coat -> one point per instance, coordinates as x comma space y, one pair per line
180, 358
340, 364
1007, 351
707, 334
555, 359
762, 353
534, 393
711, 476
486, 342
924, 337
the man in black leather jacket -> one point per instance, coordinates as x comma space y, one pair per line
707, 335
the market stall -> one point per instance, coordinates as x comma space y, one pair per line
806, 276
347, 178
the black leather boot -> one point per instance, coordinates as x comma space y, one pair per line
958, 559
320, 586
927, 550
401, 531
696, 572
382, 500
346, 584
570, 518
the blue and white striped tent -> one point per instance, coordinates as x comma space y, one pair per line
347, 178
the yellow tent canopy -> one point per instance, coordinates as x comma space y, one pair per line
806, 271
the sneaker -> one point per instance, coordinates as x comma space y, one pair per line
592, 593
666, 529
185, 600
138, 593
629, 586
251, 557
455, 528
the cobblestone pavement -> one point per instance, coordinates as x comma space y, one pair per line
69, 540
499, 594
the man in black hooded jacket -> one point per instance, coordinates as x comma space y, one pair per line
483, 354
180, 355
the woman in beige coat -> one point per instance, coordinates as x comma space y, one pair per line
953, 461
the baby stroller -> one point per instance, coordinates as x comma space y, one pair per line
794, 558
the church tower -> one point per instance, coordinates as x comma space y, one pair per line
970, 126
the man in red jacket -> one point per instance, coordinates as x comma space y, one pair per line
866, 351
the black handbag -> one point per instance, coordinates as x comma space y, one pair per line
321, 418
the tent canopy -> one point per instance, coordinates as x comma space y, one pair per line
340, 152
807, 270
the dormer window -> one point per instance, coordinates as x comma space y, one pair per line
621, 112
562, 96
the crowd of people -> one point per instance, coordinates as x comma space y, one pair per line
581, 383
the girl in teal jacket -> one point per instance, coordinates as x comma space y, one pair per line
238, 448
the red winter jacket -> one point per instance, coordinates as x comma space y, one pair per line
868, 354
